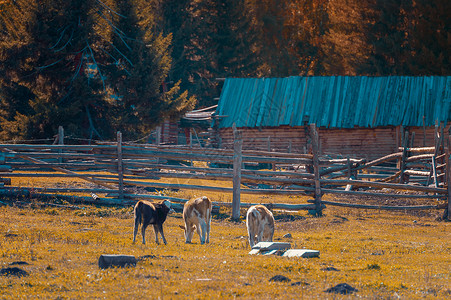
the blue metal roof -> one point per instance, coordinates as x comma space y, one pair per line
335, 101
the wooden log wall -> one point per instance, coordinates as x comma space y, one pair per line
368, 143
283, 139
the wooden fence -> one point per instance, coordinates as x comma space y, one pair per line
116, 168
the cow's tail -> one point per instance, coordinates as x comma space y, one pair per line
138, 219
138, 213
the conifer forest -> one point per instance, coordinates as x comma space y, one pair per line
99, 66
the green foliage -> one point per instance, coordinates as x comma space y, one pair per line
93, 67
96, 67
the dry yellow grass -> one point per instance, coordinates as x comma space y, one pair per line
383, 255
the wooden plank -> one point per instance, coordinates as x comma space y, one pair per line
60, 142
316, 168
59, 169
448, 178
120, 170
381, 207
384, 185
237, 162
402, 177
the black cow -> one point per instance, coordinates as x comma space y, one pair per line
151, 213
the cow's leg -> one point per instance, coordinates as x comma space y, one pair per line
198, 230
160, 228
261, 230
203, 228
189, 234
208, 225
271, 235
155, 228
143, 232
135, 229
251, 239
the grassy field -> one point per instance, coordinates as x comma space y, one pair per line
383, 255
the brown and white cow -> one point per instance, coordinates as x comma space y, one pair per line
197, 215
260, 224
151, 213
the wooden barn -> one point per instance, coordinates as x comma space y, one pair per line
357, 116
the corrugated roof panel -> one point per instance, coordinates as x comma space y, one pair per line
336, 101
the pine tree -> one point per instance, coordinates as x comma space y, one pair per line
429, 38
139, 91
64, 63
387, 36
45, 49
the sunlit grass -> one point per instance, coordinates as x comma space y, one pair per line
382, 255
385, 255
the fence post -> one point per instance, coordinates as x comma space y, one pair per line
405, 144
237, 162
60, 141
120, 170
315, 148
448, 181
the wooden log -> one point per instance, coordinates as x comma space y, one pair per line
316, 169
437, 146
229, 177
384, 185
214, 158
135, 151
419, 157
30, 147
5, 168
116, 260
381, 207
378, 161
120, 171
13, 193
418, 150
237, 162
61, 169
402, 177
217, 189
378, 195
434, 171
56, 156
31, 190
81, 165
221, 170
448, 181
414, 172
62, 175
60, 142
5, 181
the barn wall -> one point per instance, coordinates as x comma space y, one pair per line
278, 139
369, 143
362, 142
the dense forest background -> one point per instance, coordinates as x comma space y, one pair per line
96, 67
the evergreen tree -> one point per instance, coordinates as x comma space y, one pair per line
139, 91
64, 62
211, 39
42, 48
387, 35
429, 38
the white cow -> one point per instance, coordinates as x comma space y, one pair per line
260, 224
197, 215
